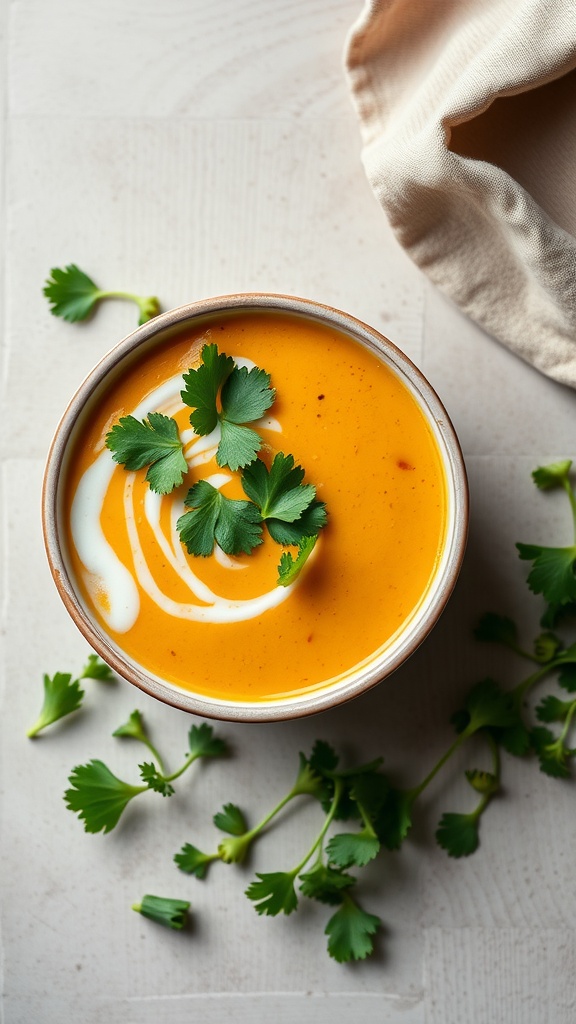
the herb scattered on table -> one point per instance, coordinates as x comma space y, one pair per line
99, 798
363, 813
169, 912
73, 295
63, 694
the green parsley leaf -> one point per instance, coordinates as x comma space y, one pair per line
73, 295
349, 848
552, 573
95, 668
98, 797
325, 884
553, 475
62, 696
245, 395
231, 819
234, 525
515, 738
203, 743
191, 860
308, 781
458, 834
350, 930
323, 758
290, 568
166, 911
154, 442
273, 893
154, 780
312, 520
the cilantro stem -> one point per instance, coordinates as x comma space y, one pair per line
572, 499
520, 691
567, 723
129, 296
327, 822
253, 832
414, 793
194, 756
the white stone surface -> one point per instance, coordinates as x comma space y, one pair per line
190, 149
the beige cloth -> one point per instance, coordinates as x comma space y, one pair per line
481, 194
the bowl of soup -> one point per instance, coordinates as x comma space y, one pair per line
216, 633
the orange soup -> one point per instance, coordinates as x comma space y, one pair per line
220, 626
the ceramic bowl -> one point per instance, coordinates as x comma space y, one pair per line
372, 670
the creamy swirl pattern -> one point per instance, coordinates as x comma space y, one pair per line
111, 585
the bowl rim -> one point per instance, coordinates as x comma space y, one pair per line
320, 699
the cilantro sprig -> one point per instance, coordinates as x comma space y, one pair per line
221, 393
99, 798
227, 396
63, 694
73, 295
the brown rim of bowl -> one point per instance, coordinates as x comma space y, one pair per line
372, 673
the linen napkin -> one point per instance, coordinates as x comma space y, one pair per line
469, 142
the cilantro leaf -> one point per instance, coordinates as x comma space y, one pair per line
308, 781
134, 728
350, 930
325, 884
394, 819
567, 678
245, 395
290, 568
231, 819
514, 738
73, 295
553, 475
203, 386
458, 834
288, 506
497, 629
349, 848
552, 573
95, 668
234, 525
97, 796
154, 780
323, 757
191, 860
62, 696
169, 912
203, 743
278, 492
552, 754
154, 442
552, 709
273, 893
488, 705
309, 524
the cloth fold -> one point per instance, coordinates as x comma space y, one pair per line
424, 74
